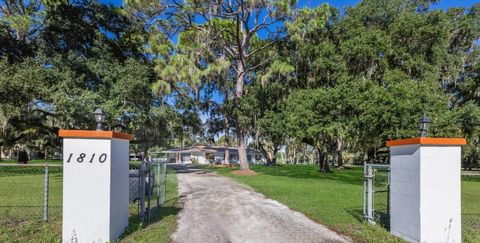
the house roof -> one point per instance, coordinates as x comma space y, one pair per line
205, 149
188, 150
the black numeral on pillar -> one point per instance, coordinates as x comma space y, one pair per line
102, 158
69, 157
81, 157
91, 158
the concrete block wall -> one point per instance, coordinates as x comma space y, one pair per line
425, 193
119, 184
440, 193
405, 192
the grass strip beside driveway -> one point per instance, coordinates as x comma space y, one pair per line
162, 224
333, 199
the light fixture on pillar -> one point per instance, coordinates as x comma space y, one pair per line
99, 118
423, 125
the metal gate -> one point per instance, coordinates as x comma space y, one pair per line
376, 194
148, 187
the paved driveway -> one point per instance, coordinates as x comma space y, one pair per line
217, 209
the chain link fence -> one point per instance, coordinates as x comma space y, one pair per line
471, 206
34, 191
148, 186
30, 191
376, 197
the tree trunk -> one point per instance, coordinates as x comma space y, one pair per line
339, 152
227, 155
242, 148
294, 156
226, 159
145, 153
265, 154
469, 163
371, 156
365, 157
242, 152
311, 158
273, 158
321, 159
305, 158
324, 166
287, 155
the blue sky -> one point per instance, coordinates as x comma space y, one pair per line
345, 3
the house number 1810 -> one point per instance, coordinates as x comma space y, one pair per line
82, 157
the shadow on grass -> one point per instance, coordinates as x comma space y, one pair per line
471, 178
27, 171
187, 169
356, 213
134, 223
382, 219
349, 175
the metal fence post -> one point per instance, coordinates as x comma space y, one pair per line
370, 195
164, 182
45, 194
388, 194
149, 187
141, 190
365, 190
158, 183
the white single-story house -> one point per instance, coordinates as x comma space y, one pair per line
210, 154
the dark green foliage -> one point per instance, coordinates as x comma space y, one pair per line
86, 55
342, 82
367, 76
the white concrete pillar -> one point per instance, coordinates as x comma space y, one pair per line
425, 189
95, 185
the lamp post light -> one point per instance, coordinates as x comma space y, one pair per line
423, 125
99, 118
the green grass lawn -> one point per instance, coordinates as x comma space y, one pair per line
162, 224
22, 190
21, 204
336, 199
21, 208
471, 208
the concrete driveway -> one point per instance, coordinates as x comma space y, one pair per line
217, 209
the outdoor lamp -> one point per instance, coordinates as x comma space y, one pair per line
99, 118
423, 125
